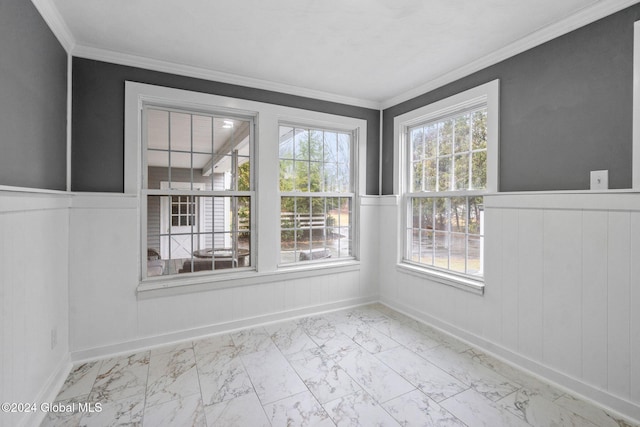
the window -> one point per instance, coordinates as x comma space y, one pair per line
317, 194
449, 155
197, 189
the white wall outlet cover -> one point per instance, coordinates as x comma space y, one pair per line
600, 180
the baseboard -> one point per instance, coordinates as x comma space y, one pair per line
147, 343
48, 393
611, 403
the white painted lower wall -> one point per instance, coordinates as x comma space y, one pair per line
562, 290
108, 316
34, 235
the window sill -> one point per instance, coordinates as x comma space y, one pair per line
162, 287
465, 284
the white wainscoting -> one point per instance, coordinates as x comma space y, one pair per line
107, 316
34, 233
562, 295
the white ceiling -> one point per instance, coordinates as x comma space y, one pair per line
372, 51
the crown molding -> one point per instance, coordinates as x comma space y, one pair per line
54, 20
585, 16
218, 76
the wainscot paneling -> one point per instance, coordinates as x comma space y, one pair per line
562, 288
33, 300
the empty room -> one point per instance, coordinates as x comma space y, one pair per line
320, 213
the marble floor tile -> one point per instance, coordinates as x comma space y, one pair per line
222, 375
300, 410
358, 410
319, 329
324, 378
475, 410
241, 411
428, 378
212, 344
482, 379
252, 340
516, 376
121, 377
171, 348
290, 337
128, 411
540, 412
416, 409
80, 381
414, 339
172, 376
272, 376
373, 376
592, 413
186, 411
363, 366
367, 337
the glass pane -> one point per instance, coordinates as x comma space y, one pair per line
474, 261
431, 140
416, 176
344, 148
331, 177
202, 134
415, 216
462, 135
301, 172
316, 145
475, 215
458, 214
344, 177
286, 142
417, 144
426, 214
315, 176
287, 177
330, 147
287, 211
157, 129
180, 131
461, 166
413, 239
444, 174
479, 170
479, 133
430, 175
244, 174
157, 170
458, 253
301, 144
441, 214
426, 247
441, 249
446, 138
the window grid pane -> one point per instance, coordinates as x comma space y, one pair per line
317, 225
187, 152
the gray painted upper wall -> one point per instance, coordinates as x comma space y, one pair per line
33, 100
565, 109
98, 119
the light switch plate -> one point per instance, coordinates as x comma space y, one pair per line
600, 180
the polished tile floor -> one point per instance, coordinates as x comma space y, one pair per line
368, 366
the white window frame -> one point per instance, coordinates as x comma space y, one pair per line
486, 94
352, 194
266, 215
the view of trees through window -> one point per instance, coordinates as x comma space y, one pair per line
448, 165
316, 194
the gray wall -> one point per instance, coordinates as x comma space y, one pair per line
33, 100
565, 109
98, 119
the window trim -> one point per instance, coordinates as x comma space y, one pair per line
266, 172
487, 94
